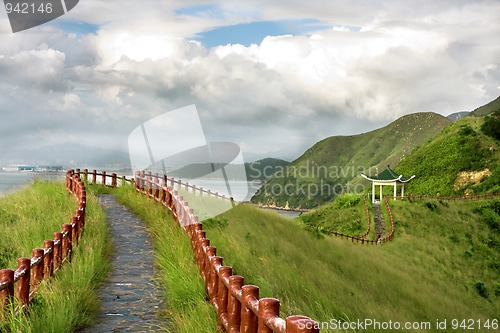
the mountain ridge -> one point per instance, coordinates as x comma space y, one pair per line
325, 170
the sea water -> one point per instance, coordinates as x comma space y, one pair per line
13, 181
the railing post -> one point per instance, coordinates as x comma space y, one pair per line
222, 297
48, 258
57, 258
214, 278
113, 179
86, 174
37, 270
157, 187
23, 284
249, 294
103, 178
233, 304
67, 241
7, 294
269, 308
301, 324
149, 184
75, 230
94, 176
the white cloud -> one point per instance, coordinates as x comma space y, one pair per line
286, 91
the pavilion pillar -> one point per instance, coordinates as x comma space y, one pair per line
373, 192
402, 191
380, 193
395, 189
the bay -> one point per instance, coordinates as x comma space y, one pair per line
13, 181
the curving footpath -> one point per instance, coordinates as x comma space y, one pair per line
131, 299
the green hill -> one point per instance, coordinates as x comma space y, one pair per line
460, 159
325, 169
487, 108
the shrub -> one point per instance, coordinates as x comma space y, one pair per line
481, 289
347, 201
430, 205
491, 125
216, 222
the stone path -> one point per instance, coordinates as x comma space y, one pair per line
130, 299
379, 220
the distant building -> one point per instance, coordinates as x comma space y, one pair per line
32, 168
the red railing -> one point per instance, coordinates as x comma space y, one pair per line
174, 183
238, 306
484, 196
44, 261
362, 239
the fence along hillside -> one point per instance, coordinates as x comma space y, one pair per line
238, 306
22, 283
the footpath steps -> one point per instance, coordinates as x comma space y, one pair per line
131, 300
379, 220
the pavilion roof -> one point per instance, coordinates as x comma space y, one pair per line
388, 175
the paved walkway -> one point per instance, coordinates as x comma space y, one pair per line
131, 299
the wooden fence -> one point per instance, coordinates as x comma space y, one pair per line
238, 306
362, 239
484, 196
114, 180
22, 283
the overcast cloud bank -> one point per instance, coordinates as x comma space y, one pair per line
98, 72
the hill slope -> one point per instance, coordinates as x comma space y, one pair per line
487, 108
460, 158
433, 269
323, 170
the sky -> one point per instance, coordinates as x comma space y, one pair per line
272, 77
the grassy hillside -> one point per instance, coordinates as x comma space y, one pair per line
487, 108
322, 171
432, 270
439, 164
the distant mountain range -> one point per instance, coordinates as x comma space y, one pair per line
68, 155
458, 115
259, 170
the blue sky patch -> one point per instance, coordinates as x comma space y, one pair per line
254, 32
77, 27
212, 11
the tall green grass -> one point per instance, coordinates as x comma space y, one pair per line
423, 275
69, 299
186, 308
